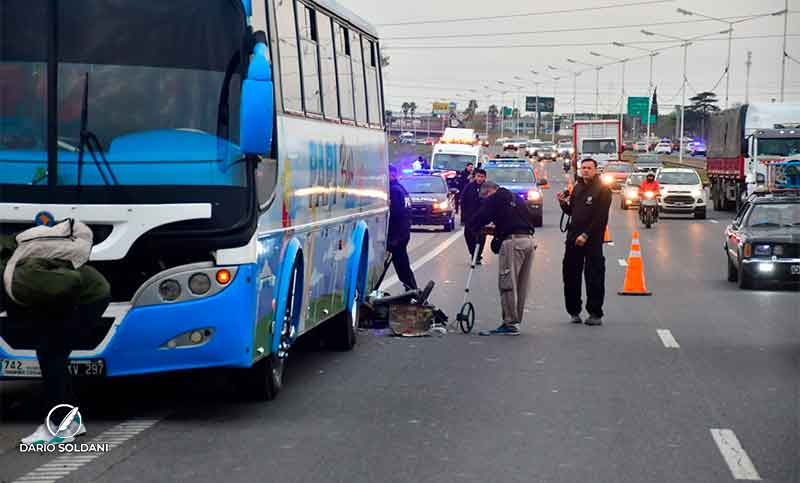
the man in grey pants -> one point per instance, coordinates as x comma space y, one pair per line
514, 233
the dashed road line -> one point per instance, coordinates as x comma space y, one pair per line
668, 339
735, 456
622, 262
65, 465
713, 221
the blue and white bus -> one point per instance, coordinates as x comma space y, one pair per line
230, 158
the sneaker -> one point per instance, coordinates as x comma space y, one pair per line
40, 436
592, 320
479, 262
576, 319
504, 329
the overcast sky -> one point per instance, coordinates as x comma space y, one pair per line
434, 72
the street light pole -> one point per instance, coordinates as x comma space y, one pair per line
747, 80
683, 101
783, 52
555, 85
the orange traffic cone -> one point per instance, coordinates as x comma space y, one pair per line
607, 236
634, 275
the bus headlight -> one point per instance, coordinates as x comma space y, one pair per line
170, 290
199, 283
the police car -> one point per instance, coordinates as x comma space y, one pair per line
430, 198
518, 177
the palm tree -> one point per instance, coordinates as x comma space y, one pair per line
412, 107
405, 107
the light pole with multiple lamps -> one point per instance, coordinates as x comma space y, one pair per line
622, 63
651, 54
597, 69
730, 25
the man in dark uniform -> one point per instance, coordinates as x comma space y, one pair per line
399, 230
588, 206
461, 181
470, 204
514, 230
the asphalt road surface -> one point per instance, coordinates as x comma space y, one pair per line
698, 383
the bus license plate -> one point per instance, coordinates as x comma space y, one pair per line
30, 368
795, 269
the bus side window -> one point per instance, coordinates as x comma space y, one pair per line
289, 59
330, 97
359, 88
345, 71
307, 27
373, 98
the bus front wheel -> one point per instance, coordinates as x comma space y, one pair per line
264, 380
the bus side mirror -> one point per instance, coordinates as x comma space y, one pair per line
258, 105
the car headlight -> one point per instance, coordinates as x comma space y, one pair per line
534, 195
762, 250
632, 194
441, 206
607, 179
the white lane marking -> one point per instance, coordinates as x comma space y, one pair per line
739, 463
622, 263
64, 465
713, 221
427, 258
667, 339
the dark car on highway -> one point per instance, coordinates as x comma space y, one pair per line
763, 241
519, 178
430, 199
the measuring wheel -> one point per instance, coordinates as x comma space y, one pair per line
466, 317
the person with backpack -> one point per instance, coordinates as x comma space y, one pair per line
48, 283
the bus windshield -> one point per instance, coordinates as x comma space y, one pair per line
161, 98
455, 162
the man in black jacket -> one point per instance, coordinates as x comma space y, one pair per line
461, 182
399, 230
514, 229
588, 206
470, 204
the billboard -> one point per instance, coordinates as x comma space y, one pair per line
546, 104
441, 108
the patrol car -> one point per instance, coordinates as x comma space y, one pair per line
518, 177
431, 202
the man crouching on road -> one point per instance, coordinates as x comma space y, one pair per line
515, 233
588, 206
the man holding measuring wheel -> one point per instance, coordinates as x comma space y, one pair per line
514, 242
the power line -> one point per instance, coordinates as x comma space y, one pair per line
576, 44
519, 15
565, 30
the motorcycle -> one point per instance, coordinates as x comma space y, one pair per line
648, 211
567, 165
